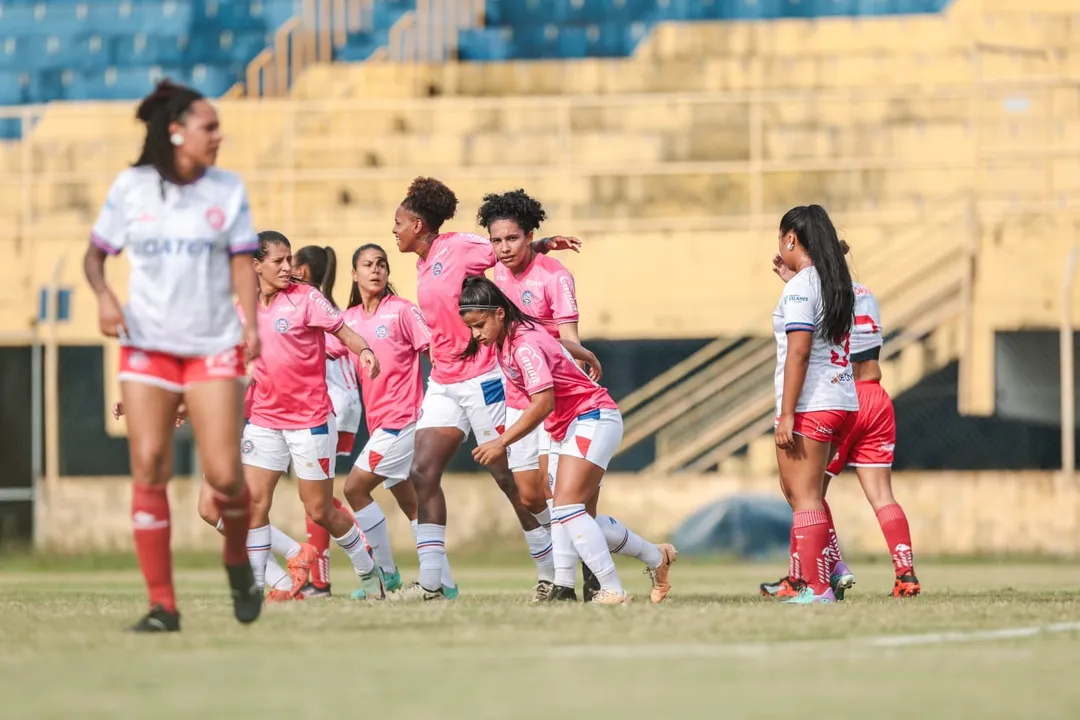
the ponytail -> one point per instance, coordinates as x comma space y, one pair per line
816, 232
321, 263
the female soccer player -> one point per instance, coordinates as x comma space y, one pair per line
815, 392
543, 289
187, 229
291, 415
462, 395
869, 448
318, 266
399, 335
584, 422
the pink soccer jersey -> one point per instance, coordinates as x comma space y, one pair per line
534, 361
290, 373
450, 259
397, 334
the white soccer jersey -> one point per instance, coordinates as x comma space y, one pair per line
344, 393
829, 383
866, 331
179, 241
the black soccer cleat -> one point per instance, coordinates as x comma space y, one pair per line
247, 596
591, 586
562, 594
158, 620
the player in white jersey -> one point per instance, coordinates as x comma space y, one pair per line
815, 391
318, 266
187, 230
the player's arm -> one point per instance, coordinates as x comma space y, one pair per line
569, 339
799, 306
556, 242
358, 346
541, 404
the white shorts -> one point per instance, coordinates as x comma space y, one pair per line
592, 436
478, 404
311, 451
525, 453
348, 410
388, 454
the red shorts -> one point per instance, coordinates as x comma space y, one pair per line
177, 373
345, 442
829, 426
872, 440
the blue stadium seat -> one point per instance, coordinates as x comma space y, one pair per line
486, 44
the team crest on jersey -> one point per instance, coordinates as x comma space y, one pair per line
437, 269
247, 447
282, 325
527, 297
381, 332
216, 217
138, 361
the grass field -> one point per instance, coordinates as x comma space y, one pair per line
713, 648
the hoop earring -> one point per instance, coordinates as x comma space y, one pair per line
176, 139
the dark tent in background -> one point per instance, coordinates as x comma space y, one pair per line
750, 527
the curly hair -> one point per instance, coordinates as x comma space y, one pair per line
514, 205
430, 200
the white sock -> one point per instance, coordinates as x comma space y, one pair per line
373, 523
447, 577
544, 518
590, 544
276, 577
540, 548
431, 548
258, 550
564, 556
355, 546
282, 544
220, 526
621, 540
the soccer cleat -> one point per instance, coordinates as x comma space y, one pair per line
590, 586
610, 597
841, 580
562, 594
312, 591
785, 587
156, 621
659, 575
300, 567
906, 585
372, 586
393, 580
806, 596
247, 596
542, 591
281, 596
415, 592
450, 593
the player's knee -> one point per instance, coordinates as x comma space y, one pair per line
357, 496
533, 498
224, 476
148, 463
319, 512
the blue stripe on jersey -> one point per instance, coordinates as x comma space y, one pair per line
809, 327
494, 392
591, 415
323, 429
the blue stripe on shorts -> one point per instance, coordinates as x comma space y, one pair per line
494, 392
323, 429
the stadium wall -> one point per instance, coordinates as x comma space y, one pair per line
953, 513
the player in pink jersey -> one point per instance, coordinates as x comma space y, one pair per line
292, 418
816, 402
399, 335
318, 266
187, 230
583, 420
462, 395
543, 289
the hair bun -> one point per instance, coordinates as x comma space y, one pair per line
844, 247
164, 91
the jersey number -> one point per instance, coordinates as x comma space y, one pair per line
837, 358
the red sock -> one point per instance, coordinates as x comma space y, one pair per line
320, 540
812, 536
834, 543
150, 521
894, 526
794, 570
235, 520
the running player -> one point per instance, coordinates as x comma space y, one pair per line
399, 336
187, 229
318, 266
543, 289
291, 415
869, 448
584, 422
462, 395
816, 401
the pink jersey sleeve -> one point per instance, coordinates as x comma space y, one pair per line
563, 297
415, 328
480, 255
320, 313
335, 348
534, 369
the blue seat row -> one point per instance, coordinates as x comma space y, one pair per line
126, 83
71, 17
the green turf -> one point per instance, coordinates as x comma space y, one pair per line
714, 648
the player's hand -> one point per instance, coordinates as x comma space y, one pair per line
564, 242
111, 316
181, 415
490, 451
252, 346
594, 371
369, 362
785, 432
782, 271
117, 410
